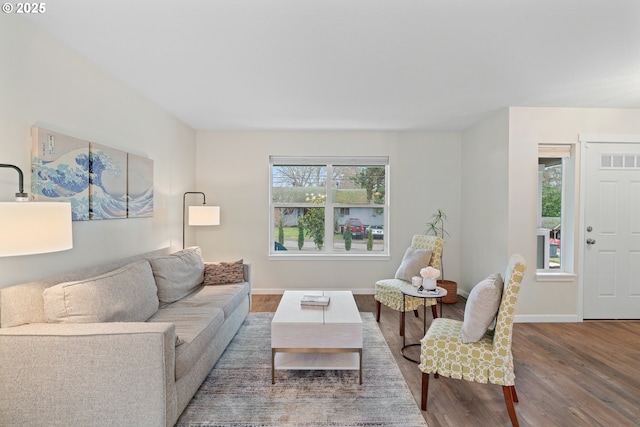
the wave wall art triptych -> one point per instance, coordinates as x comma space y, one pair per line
100, 182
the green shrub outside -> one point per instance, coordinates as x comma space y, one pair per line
347, 238
280, 233
300, 235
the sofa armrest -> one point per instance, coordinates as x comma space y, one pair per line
88, 374
247, 272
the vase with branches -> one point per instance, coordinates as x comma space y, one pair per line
435, 227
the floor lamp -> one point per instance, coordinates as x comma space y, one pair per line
33, 227
199, 215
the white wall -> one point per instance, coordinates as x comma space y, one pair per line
499, 193
45, 84
549, 300
233, 170
485, 184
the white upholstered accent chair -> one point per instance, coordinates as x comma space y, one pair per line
388, 290
489, 360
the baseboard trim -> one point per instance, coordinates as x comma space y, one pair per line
546, 318
280, 291
518, 318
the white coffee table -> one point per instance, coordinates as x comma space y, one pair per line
316, 337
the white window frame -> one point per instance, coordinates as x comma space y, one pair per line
568, 212
330, 206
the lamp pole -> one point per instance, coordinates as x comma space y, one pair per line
21, 196
184, 196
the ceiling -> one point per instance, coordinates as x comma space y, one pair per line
435, 65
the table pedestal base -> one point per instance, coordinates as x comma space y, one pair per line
407, 357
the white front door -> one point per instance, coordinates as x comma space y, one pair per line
611, 282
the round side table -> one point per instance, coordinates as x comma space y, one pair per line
412, 291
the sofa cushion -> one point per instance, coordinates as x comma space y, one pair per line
178, 274
127, 294
24, 303
196, 327
221, 273
412, 262
225, 297
482, 308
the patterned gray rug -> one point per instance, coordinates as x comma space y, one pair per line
238, 391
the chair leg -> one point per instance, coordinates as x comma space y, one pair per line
416, 313
508, 398
514, 395
434, 311
402, 323
378, 311
425, 391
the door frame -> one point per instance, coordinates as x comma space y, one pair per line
585, 140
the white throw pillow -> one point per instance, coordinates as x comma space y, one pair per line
128, 294
178, 274
412, 262
482, 307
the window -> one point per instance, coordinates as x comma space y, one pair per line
325, 206
556, 208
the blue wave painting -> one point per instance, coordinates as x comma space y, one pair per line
139, 186
141, 206
100, 182
107, 182
60, 171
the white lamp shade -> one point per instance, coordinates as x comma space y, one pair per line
34, 228
204, 215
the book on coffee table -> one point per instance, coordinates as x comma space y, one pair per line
314, 300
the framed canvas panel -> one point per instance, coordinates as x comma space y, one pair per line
60, 170
107, 182
139, 187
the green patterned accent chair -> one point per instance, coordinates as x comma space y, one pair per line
388, 290
489, 360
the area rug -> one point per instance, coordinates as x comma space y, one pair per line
238, 391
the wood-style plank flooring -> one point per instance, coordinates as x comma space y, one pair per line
567, 374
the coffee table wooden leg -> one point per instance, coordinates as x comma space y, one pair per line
360, 351
273, 366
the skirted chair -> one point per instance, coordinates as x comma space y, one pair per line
416, 257
470, 350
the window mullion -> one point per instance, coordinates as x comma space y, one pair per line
328, 210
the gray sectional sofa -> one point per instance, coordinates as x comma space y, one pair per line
123, 343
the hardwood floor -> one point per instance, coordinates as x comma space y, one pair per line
567, 374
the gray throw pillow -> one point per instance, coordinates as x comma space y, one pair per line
482, 308
178, 274
412, 262
128, 294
